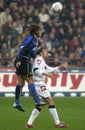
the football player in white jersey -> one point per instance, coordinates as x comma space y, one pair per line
40, 71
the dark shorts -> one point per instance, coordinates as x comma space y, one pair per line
25, 68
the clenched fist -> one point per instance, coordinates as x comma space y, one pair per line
63, 65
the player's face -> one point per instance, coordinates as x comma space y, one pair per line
45, 53
40, 31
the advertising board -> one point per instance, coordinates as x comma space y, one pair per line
63, 83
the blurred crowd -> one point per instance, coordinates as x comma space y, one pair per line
63, 35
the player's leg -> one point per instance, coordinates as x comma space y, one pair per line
21, 70
18, 91
36, 110
31, 85
52, 109
54, 113
34, 114
32, 90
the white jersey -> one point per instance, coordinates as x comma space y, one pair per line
39, 67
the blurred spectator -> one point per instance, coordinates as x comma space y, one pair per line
35, 17
28, 14
74, 43
13, 52
18, 27
61, 35
50, 59
4, 49
80, 5
56, 60
53, 41
78, 32
62, 56
71, 59
43, 16
13, 32
72, 6
5, 16
72, 16
78, 58
2, 38
66, 49
70, 33
11, 63
1, 5
82, 42
80, 21
9, 41
48, 26
6, 59
82, 33
46, 42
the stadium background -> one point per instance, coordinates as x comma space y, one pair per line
64, 36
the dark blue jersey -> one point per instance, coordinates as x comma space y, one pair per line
28, 48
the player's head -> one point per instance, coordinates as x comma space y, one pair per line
36, 30
42, 52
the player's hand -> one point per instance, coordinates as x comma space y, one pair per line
18, 64
64, 65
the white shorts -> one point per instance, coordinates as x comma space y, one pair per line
42, 91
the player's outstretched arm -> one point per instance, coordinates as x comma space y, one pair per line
63, 65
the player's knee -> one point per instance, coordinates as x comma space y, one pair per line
52, 106
39, 107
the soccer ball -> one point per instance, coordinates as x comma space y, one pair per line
57, 7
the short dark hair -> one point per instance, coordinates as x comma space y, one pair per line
39, 50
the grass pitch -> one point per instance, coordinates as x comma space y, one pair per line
70, 110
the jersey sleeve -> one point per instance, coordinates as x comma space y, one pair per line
51, 69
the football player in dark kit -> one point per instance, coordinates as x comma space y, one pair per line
23, 65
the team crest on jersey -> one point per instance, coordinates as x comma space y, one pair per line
38, 62
43, 88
